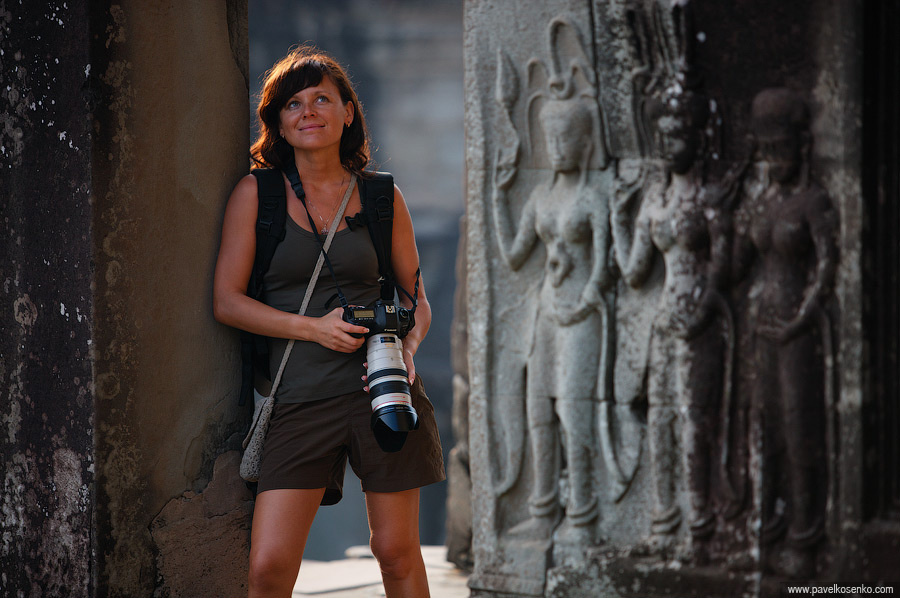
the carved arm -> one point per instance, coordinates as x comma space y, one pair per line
821, 220
634, 252
515, 247
600, 278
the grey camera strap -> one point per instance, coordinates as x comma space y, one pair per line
338, 215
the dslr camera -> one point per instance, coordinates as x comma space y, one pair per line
393, 415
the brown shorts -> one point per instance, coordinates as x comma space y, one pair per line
308, 445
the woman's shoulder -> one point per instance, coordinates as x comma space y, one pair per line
246, 185
244, 199
384, 177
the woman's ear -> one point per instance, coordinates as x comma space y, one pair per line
350, 113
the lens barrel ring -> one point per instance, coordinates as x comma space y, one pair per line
386, 372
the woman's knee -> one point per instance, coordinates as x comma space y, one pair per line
397, 556
270, 569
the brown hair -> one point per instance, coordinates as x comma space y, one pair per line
303, 67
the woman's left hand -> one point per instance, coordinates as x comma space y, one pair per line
407, 361
410, 365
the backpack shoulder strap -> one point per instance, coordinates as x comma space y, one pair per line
271, 217
377, 197
270, 222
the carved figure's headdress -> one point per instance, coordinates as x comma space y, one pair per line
666, 79
569, 77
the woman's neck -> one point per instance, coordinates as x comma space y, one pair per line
319, 166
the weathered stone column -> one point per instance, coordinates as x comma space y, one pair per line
665, 324
124, 129
46, 372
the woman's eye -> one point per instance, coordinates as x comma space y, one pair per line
292, 105
321, 100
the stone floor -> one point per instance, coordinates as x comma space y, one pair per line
357, 576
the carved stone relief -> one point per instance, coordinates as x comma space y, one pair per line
664, 205
567, 216
549, 206
787, 226
660, 360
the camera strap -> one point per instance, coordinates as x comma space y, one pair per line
310, 287
415, 296
293, 176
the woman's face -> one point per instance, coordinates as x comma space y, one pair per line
314, 118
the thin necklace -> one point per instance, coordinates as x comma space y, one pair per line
324, 229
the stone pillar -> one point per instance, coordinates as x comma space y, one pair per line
459, 490
124, 129
665, 340
46, 339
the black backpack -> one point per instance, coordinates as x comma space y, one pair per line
376, 193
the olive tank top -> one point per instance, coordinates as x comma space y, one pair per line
314, 372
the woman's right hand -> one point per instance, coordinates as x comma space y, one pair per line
332, 332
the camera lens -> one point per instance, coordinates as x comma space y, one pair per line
393, 415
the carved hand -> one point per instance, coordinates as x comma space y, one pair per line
592, 296
570, 316
782, 331
727, 190
504, 176
624, 193
505, 171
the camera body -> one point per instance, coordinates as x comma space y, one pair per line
393, 415
382, 316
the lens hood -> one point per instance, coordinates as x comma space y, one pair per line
391, 423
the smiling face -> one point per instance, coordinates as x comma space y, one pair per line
314, 118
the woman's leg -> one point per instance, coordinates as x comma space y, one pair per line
281, 522
394, 525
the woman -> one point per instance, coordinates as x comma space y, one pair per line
310, 115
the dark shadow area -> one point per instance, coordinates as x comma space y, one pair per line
881, 272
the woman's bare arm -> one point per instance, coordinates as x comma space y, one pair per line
232, 306
405, 262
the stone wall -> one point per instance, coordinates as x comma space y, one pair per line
664, 297
124, 131
46, 336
